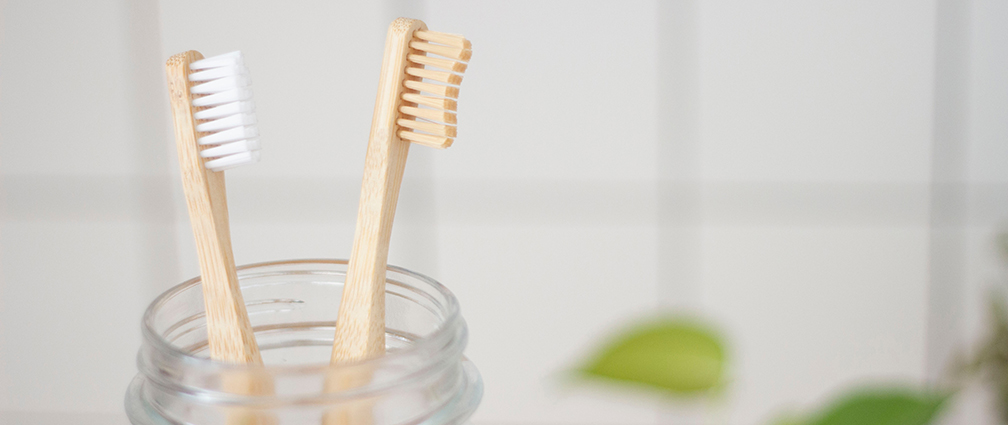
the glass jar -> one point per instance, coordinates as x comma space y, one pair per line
423, 378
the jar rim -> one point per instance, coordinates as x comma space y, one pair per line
439, 337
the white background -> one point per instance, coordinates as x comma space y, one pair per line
822, 180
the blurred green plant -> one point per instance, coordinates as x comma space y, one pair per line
676, 356
990, 361
683, 357
875, 406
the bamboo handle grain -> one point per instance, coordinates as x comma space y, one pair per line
229, 331
360, 325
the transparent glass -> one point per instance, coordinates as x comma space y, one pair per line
424, 378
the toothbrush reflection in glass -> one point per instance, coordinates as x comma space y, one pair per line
215, 130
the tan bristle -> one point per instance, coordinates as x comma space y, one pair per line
444, 77
428, 127
439, 142
445, 64
436, 89
433, 102
425, 72
429, 114
446, 51
453, 40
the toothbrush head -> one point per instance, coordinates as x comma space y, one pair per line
225, 113
427, 113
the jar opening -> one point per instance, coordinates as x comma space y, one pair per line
293, 307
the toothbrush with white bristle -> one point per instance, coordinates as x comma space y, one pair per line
215, 129
230, 119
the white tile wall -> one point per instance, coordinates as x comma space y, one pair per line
86, 221
555, 90
535, 297
798, 91
982, 188
70, 320
811, 310
989, 91
772, 166
64, 96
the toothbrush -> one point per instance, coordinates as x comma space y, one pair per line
215, 129
402, 115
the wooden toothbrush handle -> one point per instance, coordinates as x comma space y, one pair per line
360, 326
228, 327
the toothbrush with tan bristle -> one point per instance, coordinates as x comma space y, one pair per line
407, 110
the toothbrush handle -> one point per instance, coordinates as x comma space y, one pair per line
229, 330
360, 326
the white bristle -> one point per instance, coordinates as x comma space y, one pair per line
229, 135
225, 110
221, 84
212, 73
228, 122
232, 161
230, 148
219, 61
233, 94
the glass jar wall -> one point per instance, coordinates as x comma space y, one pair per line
424, 378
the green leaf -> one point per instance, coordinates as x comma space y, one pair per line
672, 355
882, 407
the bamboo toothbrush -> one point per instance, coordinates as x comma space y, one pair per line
402, 115
215, 130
